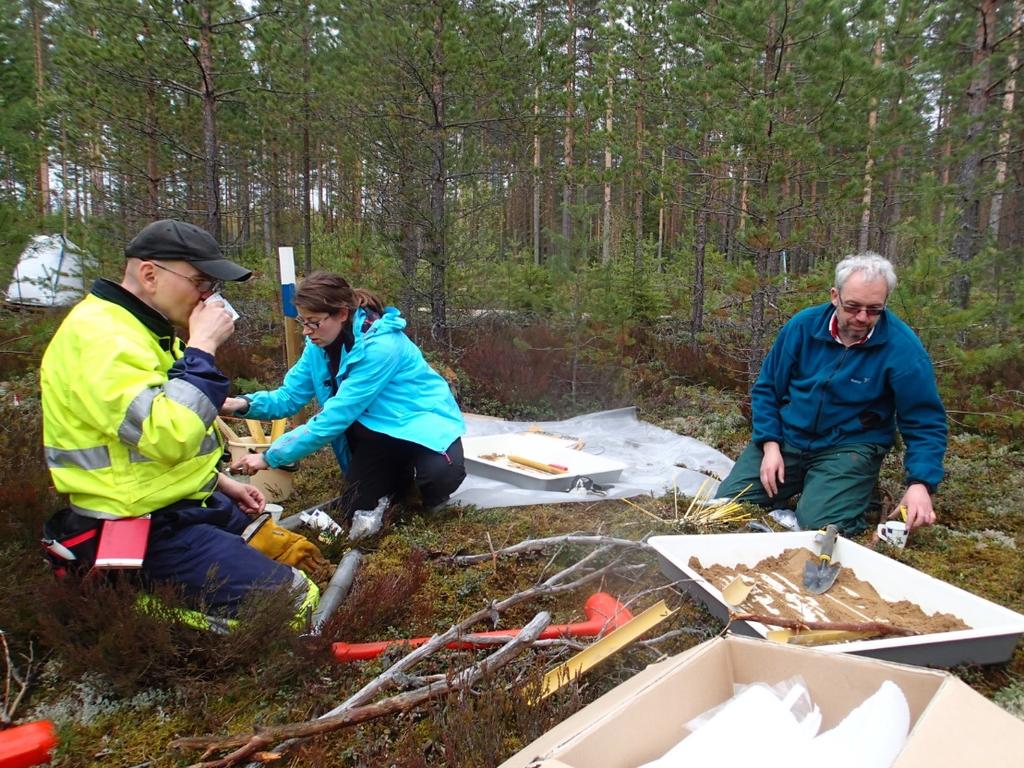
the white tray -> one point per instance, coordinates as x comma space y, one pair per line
994, 632
543, 448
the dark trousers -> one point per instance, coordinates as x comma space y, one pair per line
199, 549
834, 484
382, 465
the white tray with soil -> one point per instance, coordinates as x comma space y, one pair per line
955, 626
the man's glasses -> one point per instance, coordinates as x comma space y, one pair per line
856, 309
202, 284
310, 325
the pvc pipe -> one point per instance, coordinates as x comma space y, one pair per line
602, 610
337, 589
29, 744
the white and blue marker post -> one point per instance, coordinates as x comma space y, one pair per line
292, 334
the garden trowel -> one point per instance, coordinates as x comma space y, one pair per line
819, 572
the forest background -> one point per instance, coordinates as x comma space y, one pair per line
576, 204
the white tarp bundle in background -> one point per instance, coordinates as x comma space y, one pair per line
655, 458
49, 273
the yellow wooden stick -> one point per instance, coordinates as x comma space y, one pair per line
277, 428
540, 466
256, 430
695, 497
611, 643
227, 431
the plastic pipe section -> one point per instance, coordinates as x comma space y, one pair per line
26, 745
337, 589
603, 613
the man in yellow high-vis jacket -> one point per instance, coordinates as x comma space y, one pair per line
128, 418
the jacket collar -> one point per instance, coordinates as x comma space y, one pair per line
823, 319
156, 323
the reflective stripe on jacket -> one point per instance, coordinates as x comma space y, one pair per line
127, 420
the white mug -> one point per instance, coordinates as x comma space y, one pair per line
215, 297
893, 531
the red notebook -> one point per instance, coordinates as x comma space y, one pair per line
123, 543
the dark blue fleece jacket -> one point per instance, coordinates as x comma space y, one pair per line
814, 393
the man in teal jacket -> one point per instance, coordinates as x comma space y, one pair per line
839, 380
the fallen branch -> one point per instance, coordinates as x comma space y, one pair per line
396, 674
532, 545
13, 678
876, 627
253, 746
552, 586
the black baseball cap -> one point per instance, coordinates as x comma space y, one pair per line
177, 240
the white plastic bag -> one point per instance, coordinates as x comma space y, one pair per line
366, 522
754, 727
871, 736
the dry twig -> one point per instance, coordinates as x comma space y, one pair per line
254, 745
357, 708
12, 679
877, 627
532, 545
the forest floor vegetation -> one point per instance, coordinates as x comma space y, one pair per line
121, 686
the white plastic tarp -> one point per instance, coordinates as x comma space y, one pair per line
655, 458
49, 273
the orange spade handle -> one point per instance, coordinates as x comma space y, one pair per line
28, 744
603, 613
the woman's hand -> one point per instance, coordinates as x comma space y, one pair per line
249, 464
249, 498
233, 405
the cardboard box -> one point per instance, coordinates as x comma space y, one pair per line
951, 725
994, 630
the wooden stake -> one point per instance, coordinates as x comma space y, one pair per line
256, 431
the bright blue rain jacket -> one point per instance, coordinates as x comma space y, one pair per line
815, 393
383, 382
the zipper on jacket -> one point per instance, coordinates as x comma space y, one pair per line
827, 386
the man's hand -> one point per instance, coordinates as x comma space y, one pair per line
773, 468
233, 405
249, 498
918, 502
249, 464
209, 326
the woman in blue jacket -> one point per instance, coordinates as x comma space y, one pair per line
390, 418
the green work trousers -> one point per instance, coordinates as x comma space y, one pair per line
834, 484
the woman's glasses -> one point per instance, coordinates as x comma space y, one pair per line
310, 325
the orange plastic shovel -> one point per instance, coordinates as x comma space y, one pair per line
603, 613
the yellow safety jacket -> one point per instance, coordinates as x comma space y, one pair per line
122, 439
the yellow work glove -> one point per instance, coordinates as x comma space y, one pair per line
287, 547
305, 555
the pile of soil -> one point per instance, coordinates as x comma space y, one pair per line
778, 591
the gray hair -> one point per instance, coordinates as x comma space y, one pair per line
871, 265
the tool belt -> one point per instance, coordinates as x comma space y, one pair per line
69, 542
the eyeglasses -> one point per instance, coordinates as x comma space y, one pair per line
856, 309
310, 325
202, 284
